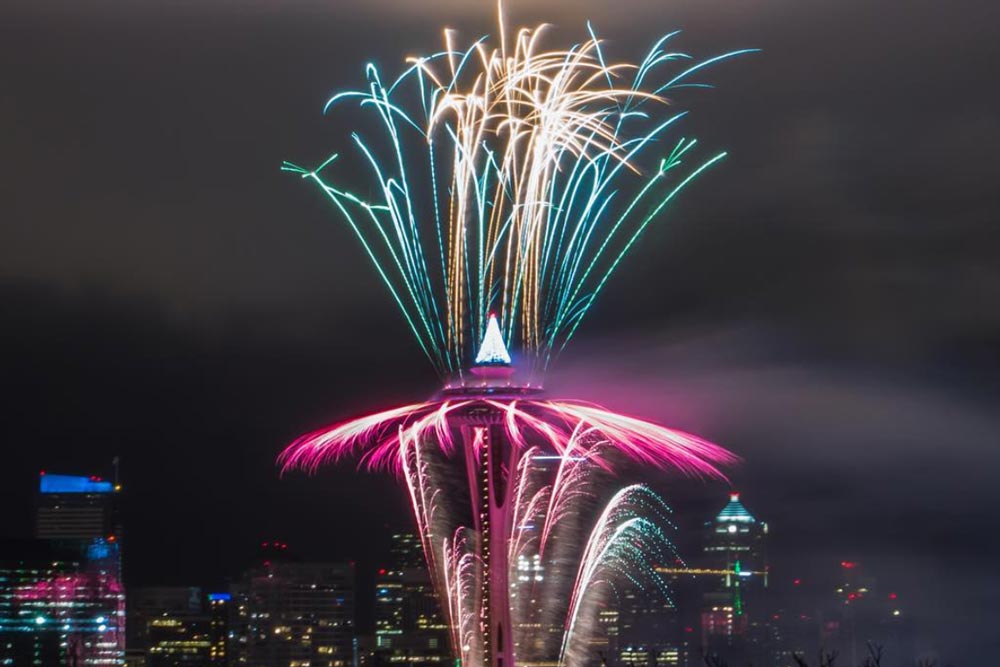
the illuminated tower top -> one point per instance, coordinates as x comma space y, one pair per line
493, 352
493, 370
76, 507
736, 535
735, 511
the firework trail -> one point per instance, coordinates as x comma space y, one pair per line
558, 459
569, 429
499, 211
500, 183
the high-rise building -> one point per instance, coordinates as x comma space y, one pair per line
649, 632
74, 507
733, 612
176, 626
61, 597
409, 628
61, 603
293, 614
219, 608
180, 641
146, 603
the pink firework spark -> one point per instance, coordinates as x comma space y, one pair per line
565, 428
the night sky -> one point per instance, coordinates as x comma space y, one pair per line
824, 304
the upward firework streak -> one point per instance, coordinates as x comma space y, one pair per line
501, 184
515, 207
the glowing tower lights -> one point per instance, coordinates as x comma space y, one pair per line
493, 352
499, 212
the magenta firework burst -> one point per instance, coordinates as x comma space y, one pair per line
562, 428
503, 230
538, 497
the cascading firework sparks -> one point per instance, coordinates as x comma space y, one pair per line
498, 214
500, 184
556, 459
568, 428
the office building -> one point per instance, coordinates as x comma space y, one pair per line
292, 614
74, 507
409, 627
61, 603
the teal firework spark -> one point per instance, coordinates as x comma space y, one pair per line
512, 181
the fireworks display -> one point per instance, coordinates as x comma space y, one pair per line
500, 180
565, 428
551, 513
507, 185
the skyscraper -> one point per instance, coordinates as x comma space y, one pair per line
61, 603
61, 598
29, 633
649, 630
733, 620
409, 627
289, 614
74, 507
219, 610
177, 626
146, 603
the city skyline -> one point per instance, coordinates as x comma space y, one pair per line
725, 600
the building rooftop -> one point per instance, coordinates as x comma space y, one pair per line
73, 484
735, 511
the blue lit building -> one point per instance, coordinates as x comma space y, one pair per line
74, 507
61, 596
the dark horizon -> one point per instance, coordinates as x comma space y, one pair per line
824, 304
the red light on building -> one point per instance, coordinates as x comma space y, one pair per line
892, 596
848, 564
797, 582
